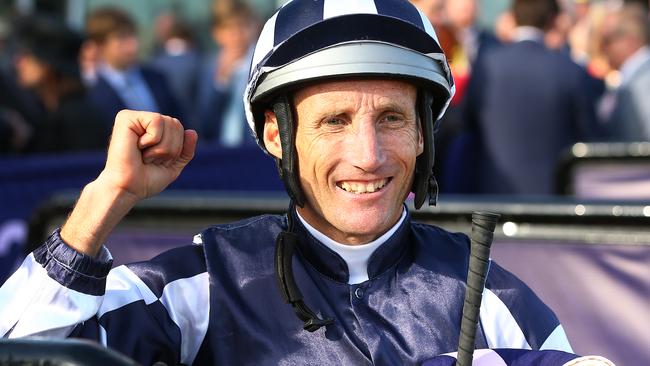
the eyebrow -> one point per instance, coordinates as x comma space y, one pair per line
388, 106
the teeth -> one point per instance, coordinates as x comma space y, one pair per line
359, 188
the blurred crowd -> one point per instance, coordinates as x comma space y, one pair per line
63, 87
549, 73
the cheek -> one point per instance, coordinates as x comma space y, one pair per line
407, 146
409, 139
309, 150
316, 155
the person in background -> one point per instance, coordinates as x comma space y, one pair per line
435, 12
47, 64
14, 129
585, 35
556, 36
223, 77
625, 109
580, 34
178, 58
473, 42
504, 27
88, 62
466, 66
433, 9
120, 81
534, 104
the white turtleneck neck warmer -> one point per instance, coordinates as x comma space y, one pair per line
355, 256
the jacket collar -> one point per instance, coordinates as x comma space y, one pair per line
329, 263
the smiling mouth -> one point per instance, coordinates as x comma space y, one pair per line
363, 187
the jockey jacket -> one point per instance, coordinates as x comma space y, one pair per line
217, 302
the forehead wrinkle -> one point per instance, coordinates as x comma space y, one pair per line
340, 102
367, 88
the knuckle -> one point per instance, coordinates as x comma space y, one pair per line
178, 125
122, 115
156, 117
158, 152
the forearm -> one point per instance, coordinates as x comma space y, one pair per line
98, 210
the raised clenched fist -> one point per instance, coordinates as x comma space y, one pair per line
147, 152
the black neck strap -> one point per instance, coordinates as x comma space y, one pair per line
285, 246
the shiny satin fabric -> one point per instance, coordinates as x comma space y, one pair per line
407, 312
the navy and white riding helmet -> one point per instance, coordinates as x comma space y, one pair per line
310, 40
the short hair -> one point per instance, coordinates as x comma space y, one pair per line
225, 10
104, 22
633, 21
182, 31
535, 13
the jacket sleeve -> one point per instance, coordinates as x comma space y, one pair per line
151, 311
54, 289
512, 316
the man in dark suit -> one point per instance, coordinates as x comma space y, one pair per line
626, 110
120, 82
533, 105
456, 139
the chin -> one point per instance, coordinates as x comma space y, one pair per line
362, 227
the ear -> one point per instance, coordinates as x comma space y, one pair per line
420, 148
272, 134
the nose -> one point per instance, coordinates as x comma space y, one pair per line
366, 148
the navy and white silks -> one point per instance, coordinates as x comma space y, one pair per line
218, 302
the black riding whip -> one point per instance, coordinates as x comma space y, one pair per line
483, 224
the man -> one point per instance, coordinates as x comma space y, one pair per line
349, 117
119, 81
625, 44
457, 163
223, 76
534, 103
47, 65
177, 57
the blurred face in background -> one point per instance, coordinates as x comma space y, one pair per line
461, 13
30, 71
234, 35
120, 50
89, 56
433, 9
617, 44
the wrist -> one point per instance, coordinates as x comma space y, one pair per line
99, 209
105, 186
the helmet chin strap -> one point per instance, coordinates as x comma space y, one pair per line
424, 183
288, 165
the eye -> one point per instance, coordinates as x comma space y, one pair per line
392, 119
333, 121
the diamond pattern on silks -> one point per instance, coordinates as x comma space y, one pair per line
521, 357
